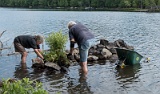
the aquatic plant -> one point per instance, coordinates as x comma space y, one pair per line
24, 86
56, 42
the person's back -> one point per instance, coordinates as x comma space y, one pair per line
26, 41
80, 33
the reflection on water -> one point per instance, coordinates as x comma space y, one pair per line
127, 71
128, 74
21, 71
81, 87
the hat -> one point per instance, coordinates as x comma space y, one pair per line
71, 23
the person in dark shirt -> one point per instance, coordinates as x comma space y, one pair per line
80, 34
27, 41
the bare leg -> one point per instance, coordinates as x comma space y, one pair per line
84, 68
23, 57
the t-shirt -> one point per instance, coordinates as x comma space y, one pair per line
27, 41
80, 33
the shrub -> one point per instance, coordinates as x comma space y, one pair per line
56, 42
24, 86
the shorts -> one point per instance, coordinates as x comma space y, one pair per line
18, 47
83, 50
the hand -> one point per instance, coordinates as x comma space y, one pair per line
44, 60
70, 56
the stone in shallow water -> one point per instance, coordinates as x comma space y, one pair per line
37, 63
53, 65
37, 60
92, 58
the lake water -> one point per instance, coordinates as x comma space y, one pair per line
138, 29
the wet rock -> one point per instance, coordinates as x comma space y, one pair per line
37, 63
77, 57
92, 58
37, 60
104, 42
106, 53
70, 57
53, 65
114, 57
110, 45
76, 51
91, 50
94, 47
130, 47
121, 44
64, 69
113, 51
100, 46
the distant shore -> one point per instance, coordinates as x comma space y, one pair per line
88, 9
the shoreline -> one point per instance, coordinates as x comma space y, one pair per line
85, 9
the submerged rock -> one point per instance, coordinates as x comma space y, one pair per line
37, 60
37, 63
53, 65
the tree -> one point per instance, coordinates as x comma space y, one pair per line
146, 3
134, 4
35, 3
125, 3
94, 3
158, 3
74, 3
62, 3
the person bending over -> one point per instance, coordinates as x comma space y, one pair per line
80, 34
28, 41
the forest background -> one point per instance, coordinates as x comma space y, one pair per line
84, 4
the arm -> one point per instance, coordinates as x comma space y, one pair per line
72, 42
38, 52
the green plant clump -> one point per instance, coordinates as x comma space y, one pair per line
24, 86
56, 42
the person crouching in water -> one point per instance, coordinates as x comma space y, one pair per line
80, 34
27, 41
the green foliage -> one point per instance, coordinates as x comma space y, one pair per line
56, 42
125, 3
24, 86
80, 3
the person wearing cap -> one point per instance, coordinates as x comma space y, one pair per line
80, 34
27, 41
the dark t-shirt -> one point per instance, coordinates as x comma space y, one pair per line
80, 33
27, 41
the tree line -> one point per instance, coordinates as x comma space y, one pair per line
143, 4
